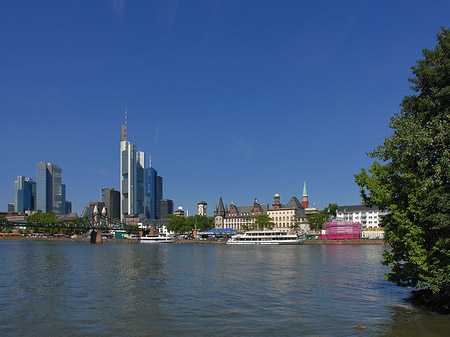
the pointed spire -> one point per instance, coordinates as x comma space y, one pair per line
305, 194
104, 211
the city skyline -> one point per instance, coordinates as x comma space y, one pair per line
239, 99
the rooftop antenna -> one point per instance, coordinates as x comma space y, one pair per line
150, 160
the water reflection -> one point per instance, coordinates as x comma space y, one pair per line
202, 290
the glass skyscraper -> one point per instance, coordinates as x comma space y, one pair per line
50, 192
140, 187
24, 194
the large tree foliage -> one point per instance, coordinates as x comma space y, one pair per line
413, 178
181, 224
42, 218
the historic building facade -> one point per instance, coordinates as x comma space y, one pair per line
285, 217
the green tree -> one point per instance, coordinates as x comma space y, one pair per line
201, 222
177, 224
413, 180
42, 218
263, 221
316, 221
330, 211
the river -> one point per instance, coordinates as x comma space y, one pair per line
122, 289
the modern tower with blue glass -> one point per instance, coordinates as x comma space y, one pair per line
50, 191
24, 194
132, 176
153, 193
140, 188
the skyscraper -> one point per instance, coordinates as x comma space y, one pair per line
131, 176
150, 193
24, 194
140, 188
112, 203
50, 192
166, 207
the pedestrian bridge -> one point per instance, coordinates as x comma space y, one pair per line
95, 222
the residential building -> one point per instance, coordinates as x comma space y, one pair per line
11, 208
179, 211
369, 217
50, 192
24, 194
202, 206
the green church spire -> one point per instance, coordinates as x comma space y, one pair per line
305, 194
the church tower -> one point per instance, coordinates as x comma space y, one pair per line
276, 202
305, 202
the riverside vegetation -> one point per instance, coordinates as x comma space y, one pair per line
413, 182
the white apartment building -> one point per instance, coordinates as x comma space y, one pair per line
369, 217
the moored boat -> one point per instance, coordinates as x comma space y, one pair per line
269, 237
156, 238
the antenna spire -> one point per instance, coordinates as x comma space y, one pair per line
150, 160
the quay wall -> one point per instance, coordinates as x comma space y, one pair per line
307, 242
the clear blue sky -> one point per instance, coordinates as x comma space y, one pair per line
239, 98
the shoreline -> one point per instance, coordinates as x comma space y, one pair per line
307, 242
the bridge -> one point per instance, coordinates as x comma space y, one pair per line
95, 222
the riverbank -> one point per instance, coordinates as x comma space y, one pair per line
307, 242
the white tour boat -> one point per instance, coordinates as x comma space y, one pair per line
156, 238
272, 237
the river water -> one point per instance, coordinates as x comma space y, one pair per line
122, 289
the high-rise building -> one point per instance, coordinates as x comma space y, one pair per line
11, 208
68, 207
131, 176
112, 203
150, 193
141, 189
159, 195
50, 192
24, 194
166, 207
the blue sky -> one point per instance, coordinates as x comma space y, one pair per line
235, 98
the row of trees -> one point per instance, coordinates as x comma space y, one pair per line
181, 224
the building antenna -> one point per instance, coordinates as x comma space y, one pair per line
150, 160
125, 129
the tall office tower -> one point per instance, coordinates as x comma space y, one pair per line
112, 203
166, 207
24, 194
50, 192
11, 208
68, 207
159, 195
131, 176
150, 193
